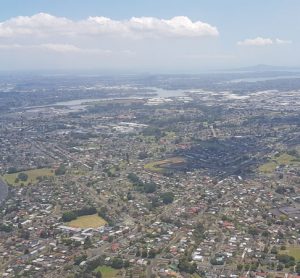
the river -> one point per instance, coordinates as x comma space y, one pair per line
77, 105
159, 92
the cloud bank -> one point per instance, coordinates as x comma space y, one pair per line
45, 25
54, 47
44, 40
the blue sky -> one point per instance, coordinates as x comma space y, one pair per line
248, 32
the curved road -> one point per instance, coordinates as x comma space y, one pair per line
3, 190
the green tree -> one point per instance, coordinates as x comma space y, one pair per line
79, 259
117, 263
167, 197
87, 243
12, 170
298, 268
5, 228
138, 253
98, 274
150, 187
152, 254
144, 253
22, 177
185, 266
61, 170
239, 267
68, 216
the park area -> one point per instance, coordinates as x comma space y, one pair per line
293, 251
281, 160
107, 272
27, 177
87, 221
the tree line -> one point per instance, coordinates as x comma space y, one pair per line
72, 215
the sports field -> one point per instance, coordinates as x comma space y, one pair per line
87, 221
107, 272
162, 165
12, 179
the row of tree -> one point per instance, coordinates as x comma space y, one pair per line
72, 215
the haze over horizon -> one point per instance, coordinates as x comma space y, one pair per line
139, 36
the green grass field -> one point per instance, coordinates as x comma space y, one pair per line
158, 166
292, 251
107, 272
268, 167
87, 221
32, 176
283, 159
154, 167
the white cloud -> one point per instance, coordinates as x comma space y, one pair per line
279, 41
179, 26
63, 48
259, 41
40, 24
45, 25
